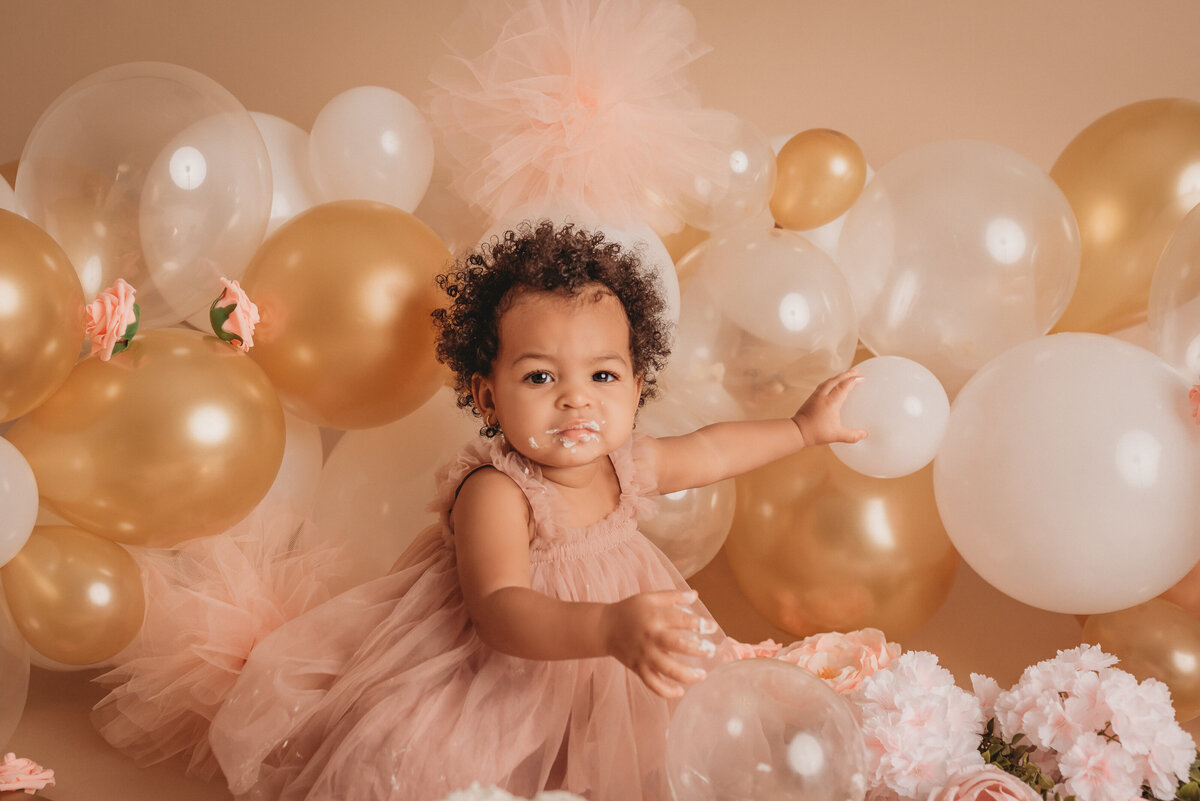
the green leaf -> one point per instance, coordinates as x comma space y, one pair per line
130, 331
217, 316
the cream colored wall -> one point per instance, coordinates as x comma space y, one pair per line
892, 74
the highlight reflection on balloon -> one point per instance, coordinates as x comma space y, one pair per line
1130, 177
1173, 316
345, 291
1060, 445
816, 547
1156, 639
819, 175
764, 729
179, 436
739, 186
41, 315
76, 597
153, 173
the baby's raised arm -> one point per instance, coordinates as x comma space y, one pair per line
645, 632
724, 450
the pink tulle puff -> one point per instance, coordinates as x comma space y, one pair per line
208, 603
582, 102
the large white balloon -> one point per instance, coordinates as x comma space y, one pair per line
293, 187
1068, 474
955, 252
371, 143
904, 409
18, 501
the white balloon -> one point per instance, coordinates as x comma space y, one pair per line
377, 482
827, 236
18, 501
904, 409
1067, 476
372, 143
8, 198
293, 187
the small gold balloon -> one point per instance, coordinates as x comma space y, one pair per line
179, 436
818, 547
41, 315
1156, 639
77, 598
820, 174
345, 291
1130, 177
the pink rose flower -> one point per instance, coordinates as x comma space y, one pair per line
17, 773
234, 316
109, 318
986, 784
842, 660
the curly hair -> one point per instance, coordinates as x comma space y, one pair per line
544, 258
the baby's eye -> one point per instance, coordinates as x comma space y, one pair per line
604, 376
538, 377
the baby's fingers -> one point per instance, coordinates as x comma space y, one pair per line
659, 683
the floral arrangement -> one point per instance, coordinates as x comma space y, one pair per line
1073, 727
20, 774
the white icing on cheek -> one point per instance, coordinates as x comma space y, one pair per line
533, 443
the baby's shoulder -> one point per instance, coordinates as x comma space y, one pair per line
491, 490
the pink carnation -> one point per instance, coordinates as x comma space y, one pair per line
17, 773
1098, 769
842, 660
108, 318
986, 784
239, 327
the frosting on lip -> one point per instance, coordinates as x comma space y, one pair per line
575, 432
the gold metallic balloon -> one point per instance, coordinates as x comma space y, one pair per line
345, 291
41, 315
179, 436
1130, 177
77, 598
818, 547
820, 173
1155, 639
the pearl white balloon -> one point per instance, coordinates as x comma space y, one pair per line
1068, 474
371, 143
957, 251
904, 409
293, 187
18, 501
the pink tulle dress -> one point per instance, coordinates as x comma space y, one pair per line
386, 691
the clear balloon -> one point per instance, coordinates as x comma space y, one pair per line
816, 546
1174, 312
767, 315
1130, 177
371, 143
1158, 640
827, 236
904, 409
1067, 475
819, 174
293, 188
377, 482
179, 436
691, 524
41, 316
18, 501
76, 597
345, 291
739, 187
955, 252
764, 729
153, 173
14, 668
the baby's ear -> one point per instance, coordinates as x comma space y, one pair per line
481, 391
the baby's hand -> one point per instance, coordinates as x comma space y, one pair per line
644, 630
820, 418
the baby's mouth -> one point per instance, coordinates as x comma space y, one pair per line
575, 432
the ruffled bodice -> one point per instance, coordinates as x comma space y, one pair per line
387, 692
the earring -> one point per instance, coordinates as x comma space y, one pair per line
490, 427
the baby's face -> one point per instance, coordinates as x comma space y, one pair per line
562, 386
